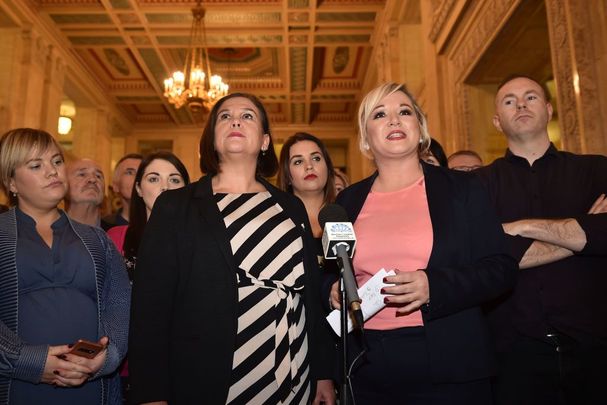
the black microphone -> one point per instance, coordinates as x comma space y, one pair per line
338, 242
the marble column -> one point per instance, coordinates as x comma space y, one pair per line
579, 59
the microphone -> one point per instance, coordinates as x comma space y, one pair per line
338, 242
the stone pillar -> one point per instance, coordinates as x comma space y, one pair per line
52, 93
410, 50
31, 81
429, 94
10, 78
92, 139
393, 49
383, 67
34, 61
579, 60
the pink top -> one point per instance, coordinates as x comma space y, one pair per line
393, 231
117, 234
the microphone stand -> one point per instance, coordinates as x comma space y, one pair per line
349, 298
345, 383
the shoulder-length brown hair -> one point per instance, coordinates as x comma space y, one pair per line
267, 162
284, 172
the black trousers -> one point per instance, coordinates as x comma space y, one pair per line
558, 371
395, 370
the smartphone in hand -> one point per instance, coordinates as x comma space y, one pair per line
85, 348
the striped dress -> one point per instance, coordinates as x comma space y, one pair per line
270, 364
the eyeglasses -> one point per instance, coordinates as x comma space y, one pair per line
466, 168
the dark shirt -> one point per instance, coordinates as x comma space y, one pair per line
57, 303
115, 219
329, 273
568, 295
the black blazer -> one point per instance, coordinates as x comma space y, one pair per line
468, 266
184, 305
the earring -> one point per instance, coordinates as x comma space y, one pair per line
15, 194
263, 152
421, 141
366, 146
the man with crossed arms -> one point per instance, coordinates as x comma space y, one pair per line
551, 331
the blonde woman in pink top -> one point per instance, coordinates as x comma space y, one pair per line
436, 229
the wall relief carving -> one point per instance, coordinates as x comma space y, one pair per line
477, 38
561, 49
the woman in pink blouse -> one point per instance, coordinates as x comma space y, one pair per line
436, 229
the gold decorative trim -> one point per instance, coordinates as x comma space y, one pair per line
479, 36
562, 51
439, 18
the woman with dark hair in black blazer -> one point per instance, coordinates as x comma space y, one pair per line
436, 229
225, 301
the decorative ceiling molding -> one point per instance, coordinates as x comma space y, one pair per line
338, 84
278, 50
333, 117
68, 2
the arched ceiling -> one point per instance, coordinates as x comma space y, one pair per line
306, 59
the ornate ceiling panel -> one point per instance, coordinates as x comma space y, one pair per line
306, 59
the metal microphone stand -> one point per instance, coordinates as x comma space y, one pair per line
345, 384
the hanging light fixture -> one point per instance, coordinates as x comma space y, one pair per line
195, 86
67, 111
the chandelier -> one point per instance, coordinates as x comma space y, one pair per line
195, 85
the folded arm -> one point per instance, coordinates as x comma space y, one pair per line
555, 239
540, 253
565, 233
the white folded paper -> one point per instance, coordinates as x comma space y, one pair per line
372, 300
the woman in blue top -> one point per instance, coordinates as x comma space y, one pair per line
60, 281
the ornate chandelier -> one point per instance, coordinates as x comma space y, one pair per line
195, 85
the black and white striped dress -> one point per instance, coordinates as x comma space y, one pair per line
270, 364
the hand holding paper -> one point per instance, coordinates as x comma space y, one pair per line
372, 300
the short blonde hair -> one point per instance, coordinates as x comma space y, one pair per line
16, 146
372, 100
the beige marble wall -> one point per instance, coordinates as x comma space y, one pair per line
91, 138
31, 81
186, 141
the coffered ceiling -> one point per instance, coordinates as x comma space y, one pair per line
306, 59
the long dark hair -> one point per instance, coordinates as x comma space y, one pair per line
284, 172
137, 214
267, 162
438, 152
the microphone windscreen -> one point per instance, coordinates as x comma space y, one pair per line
332, 213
